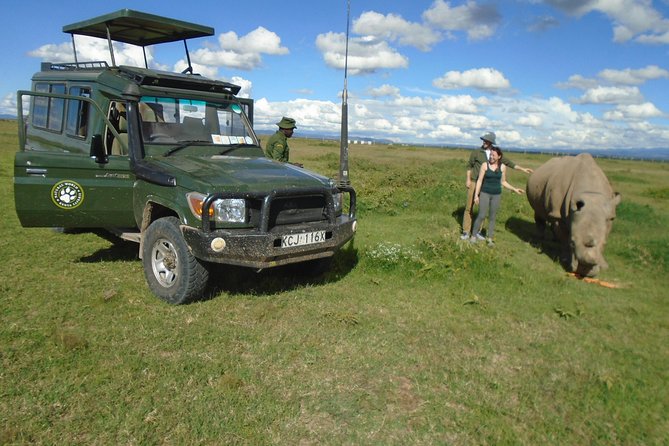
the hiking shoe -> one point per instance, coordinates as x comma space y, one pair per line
490, 242
478, 237
464, 236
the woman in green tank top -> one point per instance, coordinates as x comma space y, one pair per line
488, 194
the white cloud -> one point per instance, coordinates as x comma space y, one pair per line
542, 24
611, 95
478, 21
324, 116
646, 110
446, 132
561, 109
395, 28
655, 39
91, 48
458, 104
366, 54
409, 101
259, 41
362, 111
487, 79
530, 121
228, 59
460, 119
633, 77
243, 53
509, 137
247, 86
579, 82
384, 90
8, 105
633, 19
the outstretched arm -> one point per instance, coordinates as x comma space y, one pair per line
524, 169
509, 186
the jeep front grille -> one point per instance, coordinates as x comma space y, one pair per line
279, 207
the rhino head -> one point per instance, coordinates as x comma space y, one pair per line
591, 218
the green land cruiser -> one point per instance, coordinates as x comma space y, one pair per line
170, 161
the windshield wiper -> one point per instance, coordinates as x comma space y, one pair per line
183, 145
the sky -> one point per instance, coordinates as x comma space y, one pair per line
551, 74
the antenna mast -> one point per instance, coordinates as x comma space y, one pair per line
343, 148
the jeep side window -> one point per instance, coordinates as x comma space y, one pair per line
77, 113
48, 112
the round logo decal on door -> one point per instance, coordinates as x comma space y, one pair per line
67, 194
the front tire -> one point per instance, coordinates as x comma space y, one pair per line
172, 272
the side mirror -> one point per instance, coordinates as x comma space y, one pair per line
98, 150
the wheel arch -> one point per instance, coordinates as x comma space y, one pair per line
152, 212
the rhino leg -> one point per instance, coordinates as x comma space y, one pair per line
568, 258
540, 225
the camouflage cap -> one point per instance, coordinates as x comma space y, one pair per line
286, 123
490, 137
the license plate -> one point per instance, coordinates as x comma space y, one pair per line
306, 238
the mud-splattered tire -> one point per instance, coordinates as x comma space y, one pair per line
172, 272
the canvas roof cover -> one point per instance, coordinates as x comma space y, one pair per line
138, 28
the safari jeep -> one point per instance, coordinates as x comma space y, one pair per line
170, 161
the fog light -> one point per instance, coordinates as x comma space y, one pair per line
218, 244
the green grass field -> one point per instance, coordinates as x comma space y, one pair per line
414, 337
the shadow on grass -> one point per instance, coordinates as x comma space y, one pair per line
119, 250
527, 232
458, 215
234, 280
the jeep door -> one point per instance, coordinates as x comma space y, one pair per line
56, 181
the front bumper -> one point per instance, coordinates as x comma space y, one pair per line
248, 247
261, 247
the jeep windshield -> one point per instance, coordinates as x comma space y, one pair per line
176, 124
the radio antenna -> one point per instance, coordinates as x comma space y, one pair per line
343, 148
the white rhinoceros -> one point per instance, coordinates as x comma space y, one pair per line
575, 198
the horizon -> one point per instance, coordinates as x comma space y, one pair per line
655, 154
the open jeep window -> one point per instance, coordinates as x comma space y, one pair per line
176, 121
77, 112
48, 112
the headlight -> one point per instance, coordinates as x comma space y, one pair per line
338, 198
229, 210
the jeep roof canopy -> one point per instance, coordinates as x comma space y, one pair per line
137, 28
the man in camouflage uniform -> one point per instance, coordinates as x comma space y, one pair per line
277, 145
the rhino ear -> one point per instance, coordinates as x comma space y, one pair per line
616, 199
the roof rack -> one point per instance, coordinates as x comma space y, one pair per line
95, 65
137, 28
